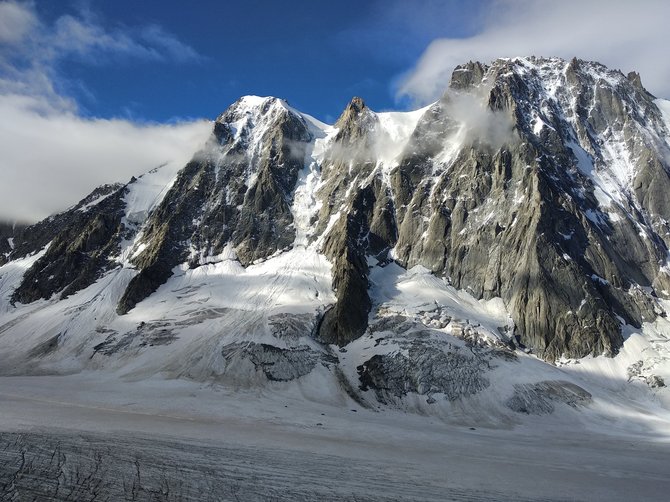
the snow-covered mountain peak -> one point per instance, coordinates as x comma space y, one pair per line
526, 209
250, 116
251, 104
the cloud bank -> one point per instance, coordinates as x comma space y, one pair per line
51, 160
618, 33
51, 155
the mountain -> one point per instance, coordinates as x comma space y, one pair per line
384, 258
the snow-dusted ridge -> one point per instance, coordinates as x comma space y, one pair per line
608, 159
428, 347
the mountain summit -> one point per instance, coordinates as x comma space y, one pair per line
526, 208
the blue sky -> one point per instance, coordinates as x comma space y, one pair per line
95, 91
315, 54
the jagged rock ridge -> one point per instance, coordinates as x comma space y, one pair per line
559, 218
539, 181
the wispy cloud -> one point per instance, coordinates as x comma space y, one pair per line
619, 33
167, 45
31, 49
71, 36
16, 21
51, 155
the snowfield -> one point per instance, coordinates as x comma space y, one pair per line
179, 440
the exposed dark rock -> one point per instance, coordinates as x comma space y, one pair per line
467, 75
9, 233
293, 326
366, 225
32, 238
425, 370
638, 371
83, 243
655, 381
540, 398
278, 364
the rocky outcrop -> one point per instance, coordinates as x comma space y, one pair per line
277, 364
364, 221
236, 192
29, 239
541, 398
511, 186
348, 244
425, 371
81, 241
8, 233
526, 220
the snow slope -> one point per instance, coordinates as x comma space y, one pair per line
396, 129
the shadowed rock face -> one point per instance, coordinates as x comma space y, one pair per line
8, 233
366, 225
29, 239
82, 243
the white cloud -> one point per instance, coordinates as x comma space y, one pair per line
51, 156
618, 33
168, 45
51, 159
22, 31
480, 122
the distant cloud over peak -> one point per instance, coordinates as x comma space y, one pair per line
618, 33
51, 155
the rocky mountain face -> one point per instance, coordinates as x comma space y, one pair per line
538, 183
80, 241
530, 180
562, 219
236, 192
7, 234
